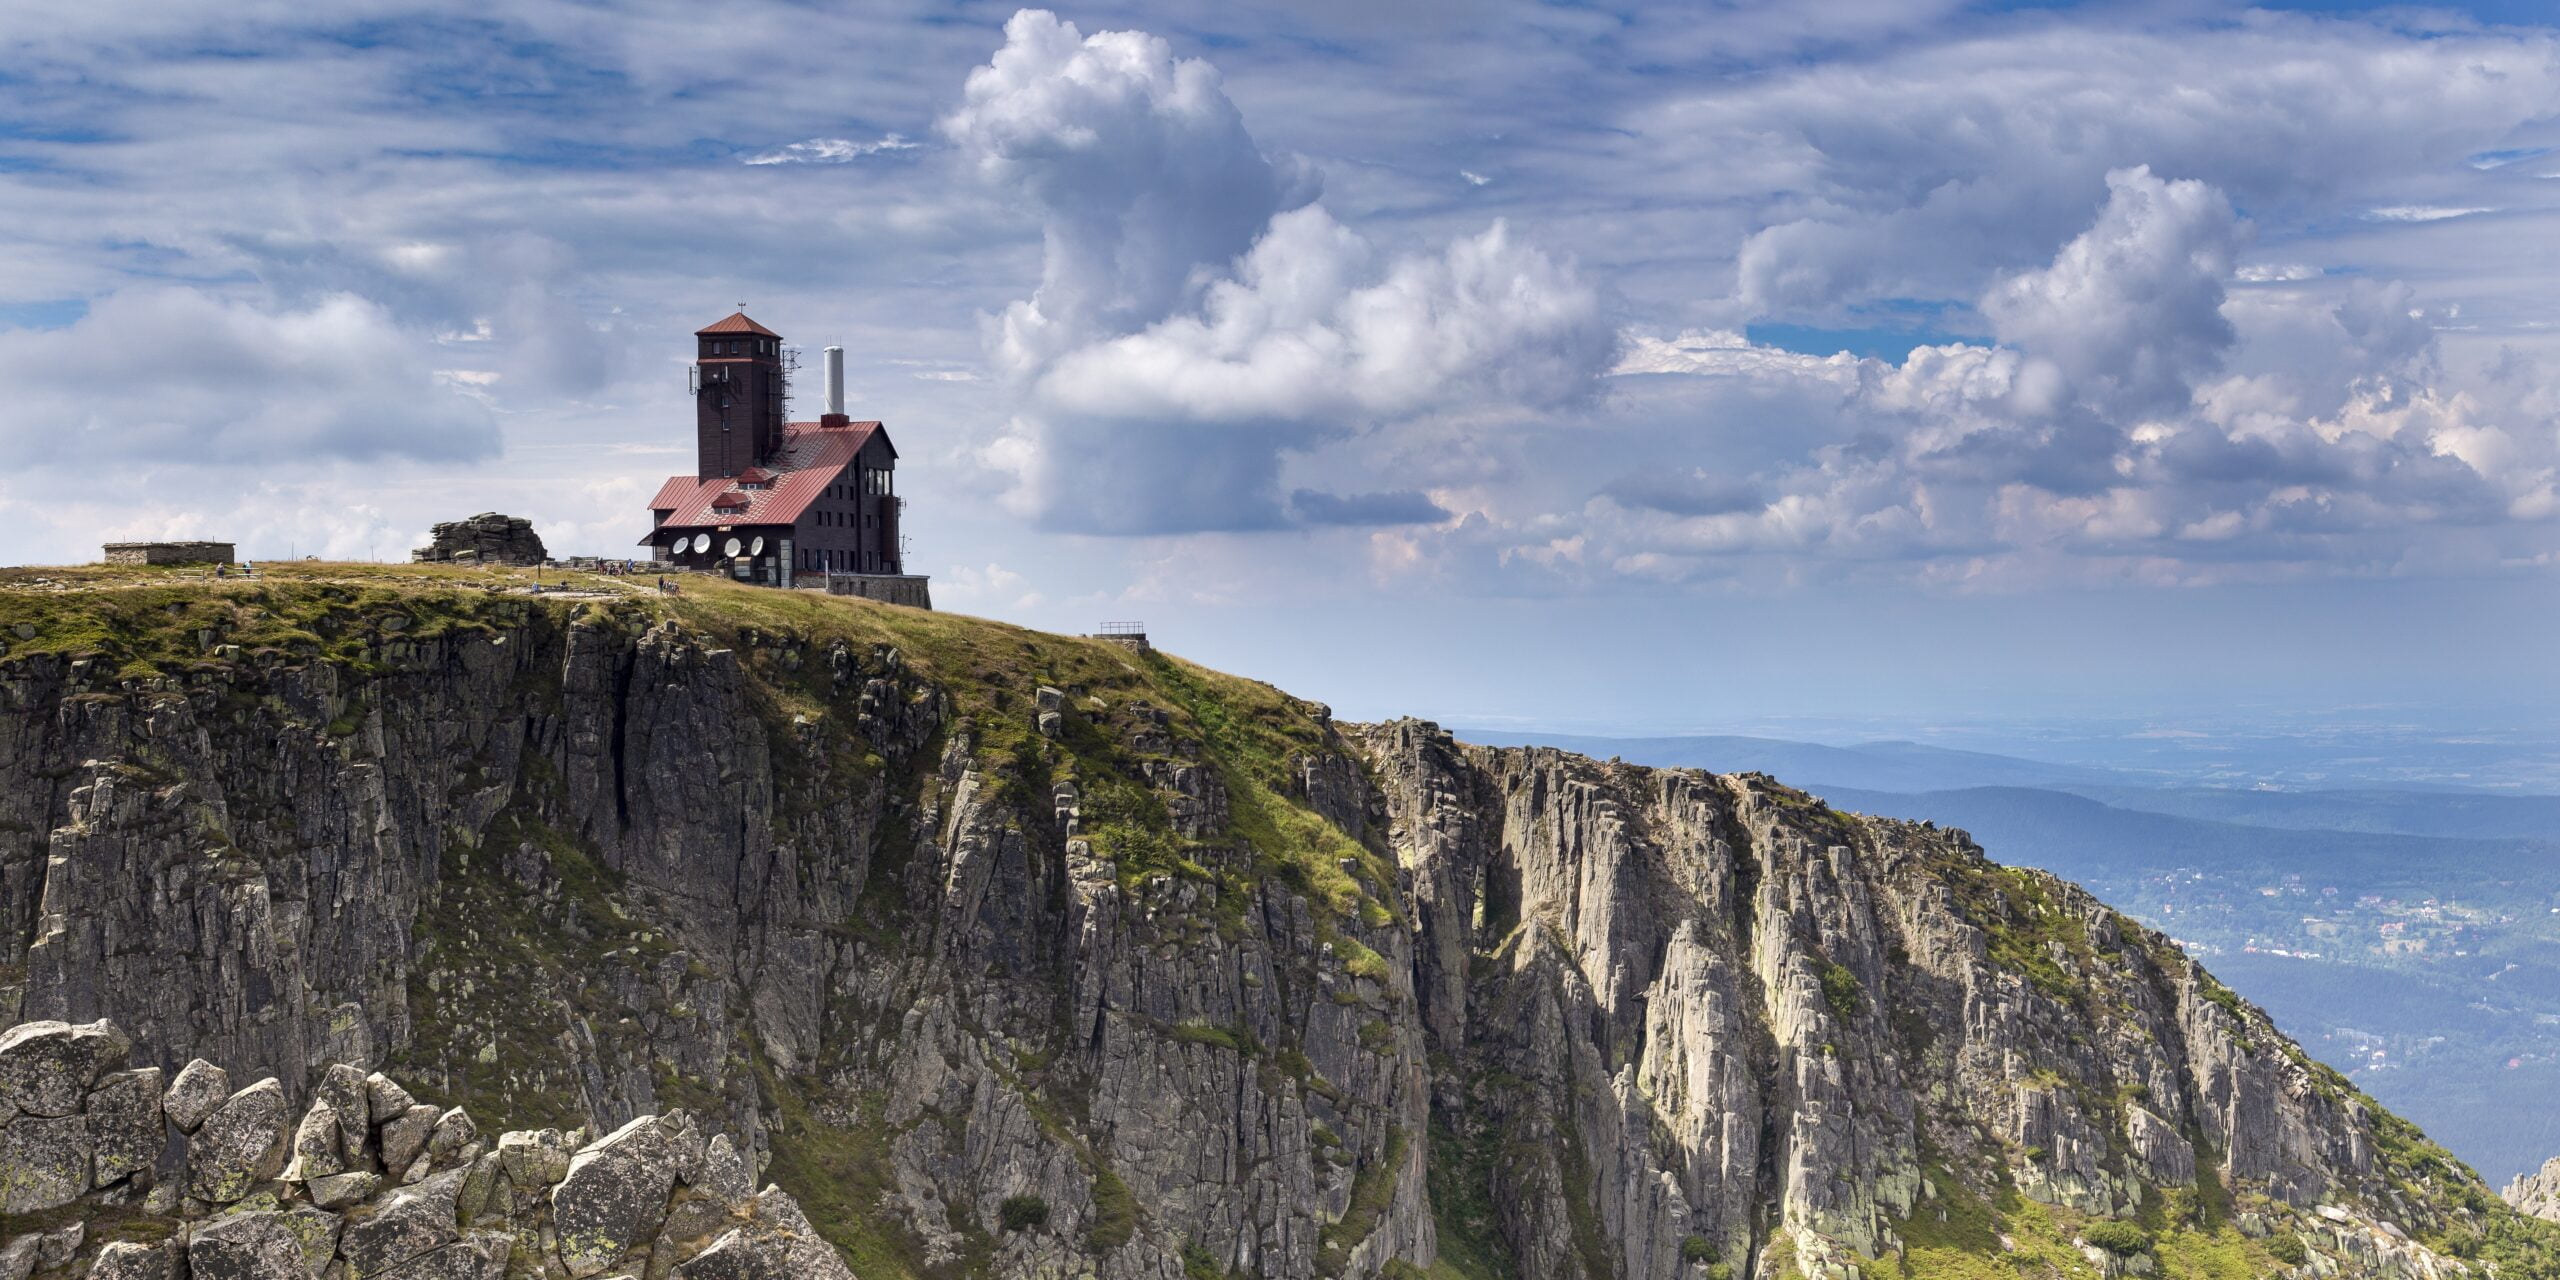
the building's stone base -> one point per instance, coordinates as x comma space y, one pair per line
887, 588
169, 553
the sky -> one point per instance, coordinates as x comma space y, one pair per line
1603, 367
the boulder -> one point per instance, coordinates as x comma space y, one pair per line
46, 1067
18, 1257
239, 1146
534, 1157
125, 1130
487, 538
482, 1258
405, 1138
317, 1232
126, 1260
780, 1245
44, 1163
317, 1152
58, 1246
614, 1197
724, 1173
385, 1098
339, 1190
454, 1131
415, 1221
199, 1089
254, 1245
345, 1090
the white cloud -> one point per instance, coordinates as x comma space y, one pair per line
831, 150
1198, 316
2131, 309
177, 376
2422, 212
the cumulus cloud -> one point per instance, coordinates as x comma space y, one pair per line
1139, 165
1925, 173
2131, 309
1199, 317
167, 376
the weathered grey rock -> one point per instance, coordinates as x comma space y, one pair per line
693, 1217
46, 1067
455, 1133
385, 1098
404, 1139
239, 1146
18, 1257
338, 1190
199, 1089
472, 1259
44, 1162
724, 1173
126, 1260
316, 1230
487, 538
415, 1221
126, 1133
534, 1157
250, 1245
2537, 1193
56, 1248
482, 1195
317, 1151
781, 1245
614, 1197
343, 1090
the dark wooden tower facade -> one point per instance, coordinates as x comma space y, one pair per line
738, 397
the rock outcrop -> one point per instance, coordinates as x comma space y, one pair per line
656, 1205
1022, 955
487, 538
2537, 1193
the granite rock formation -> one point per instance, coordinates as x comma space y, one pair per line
1023, 955
487, 538
212, 1199
2537, 1193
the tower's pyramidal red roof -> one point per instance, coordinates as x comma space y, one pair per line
736, 323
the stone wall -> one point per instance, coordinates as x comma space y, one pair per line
128, 1176
169, 553
887, 588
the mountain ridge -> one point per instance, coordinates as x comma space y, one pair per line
1027, 955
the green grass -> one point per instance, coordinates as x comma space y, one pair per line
1841, 990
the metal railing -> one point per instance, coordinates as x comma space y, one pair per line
1123, 629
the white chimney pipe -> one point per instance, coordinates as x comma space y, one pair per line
835, 380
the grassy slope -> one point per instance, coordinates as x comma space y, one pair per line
155, 622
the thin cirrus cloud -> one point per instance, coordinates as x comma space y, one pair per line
832, 150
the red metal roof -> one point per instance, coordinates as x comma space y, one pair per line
754, 475
730, 500
673, 493
737, 323
810, 459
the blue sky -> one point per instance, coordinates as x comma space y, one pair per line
1599, 366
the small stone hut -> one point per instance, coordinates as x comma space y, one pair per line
169, 553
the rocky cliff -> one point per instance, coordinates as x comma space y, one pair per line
1025, 955
2537, 1193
